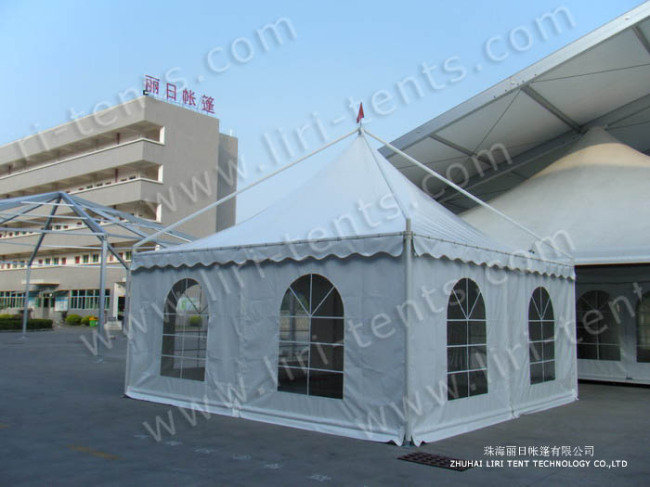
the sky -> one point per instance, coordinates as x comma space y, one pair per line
63, 59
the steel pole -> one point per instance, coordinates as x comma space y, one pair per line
28, 275
102, 298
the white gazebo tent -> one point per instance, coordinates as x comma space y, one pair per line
593, 202
357, 306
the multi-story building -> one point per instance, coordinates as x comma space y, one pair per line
152, 159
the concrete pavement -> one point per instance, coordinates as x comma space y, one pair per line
64, 421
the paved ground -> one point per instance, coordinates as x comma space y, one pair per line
63, 421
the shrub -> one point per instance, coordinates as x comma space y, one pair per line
196, 320
73, 319
17, 324
7, 316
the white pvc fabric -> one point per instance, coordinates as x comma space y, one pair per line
592, 202
510, 392
243, 336
394, 304
625, 287
357, 204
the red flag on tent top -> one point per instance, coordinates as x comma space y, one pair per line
361, 115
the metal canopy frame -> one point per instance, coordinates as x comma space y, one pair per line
37, 214
619, 50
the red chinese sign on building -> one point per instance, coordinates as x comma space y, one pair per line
187, 96
171, 91
151, 84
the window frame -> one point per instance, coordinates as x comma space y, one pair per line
642, 353
328, 378
12, 299
169, 335
610, 320
85, 299
468, 350
538, 343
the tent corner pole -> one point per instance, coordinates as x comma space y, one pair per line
408, 292
126, 328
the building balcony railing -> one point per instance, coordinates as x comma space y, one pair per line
128, 153
124, 192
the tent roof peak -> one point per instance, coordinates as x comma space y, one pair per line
357, 203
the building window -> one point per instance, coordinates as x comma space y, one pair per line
596, 329
95, 258
55, 261
86, 259
541, 337
64, 260
48, 261
12, 299
185, 332
466, 342
643, 329
87, 299
77, 259
311, 339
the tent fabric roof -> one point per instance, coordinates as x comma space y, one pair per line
357, 204
594, 200
514, 129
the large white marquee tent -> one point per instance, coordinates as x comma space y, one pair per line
593, 201
504, 136
357, 306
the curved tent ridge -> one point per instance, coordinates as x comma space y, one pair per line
582, 201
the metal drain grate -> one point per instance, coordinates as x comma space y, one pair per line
436, 461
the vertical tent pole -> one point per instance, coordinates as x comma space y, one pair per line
126, 326
126, 322
28, 274
102, 297
408, 271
